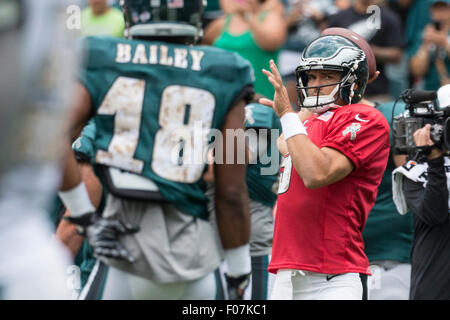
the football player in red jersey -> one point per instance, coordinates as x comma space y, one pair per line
335, 162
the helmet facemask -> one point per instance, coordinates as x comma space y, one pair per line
316, 102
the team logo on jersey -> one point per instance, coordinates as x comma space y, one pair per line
359, 119
173, 4
352, 129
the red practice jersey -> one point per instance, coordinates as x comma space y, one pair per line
320, 230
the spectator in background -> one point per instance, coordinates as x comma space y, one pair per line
386, 41
102, 20
418, 17
430, 56
253, 28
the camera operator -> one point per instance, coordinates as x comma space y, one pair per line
425, 191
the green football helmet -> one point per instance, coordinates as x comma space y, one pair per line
336, 53
164, 18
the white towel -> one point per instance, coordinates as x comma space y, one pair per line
414, 171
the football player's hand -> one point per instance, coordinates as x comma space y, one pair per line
103, 235
236, 286
281, 103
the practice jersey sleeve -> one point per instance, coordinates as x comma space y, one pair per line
260, 116
359, 134
84, 146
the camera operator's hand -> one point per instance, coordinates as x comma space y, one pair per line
422, 139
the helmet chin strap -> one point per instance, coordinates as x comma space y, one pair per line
318, 101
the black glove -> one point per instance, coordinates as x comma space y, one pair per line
103, 235
236, 286
83, 221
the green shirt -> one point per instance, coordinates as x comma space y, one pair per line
149, 97
261, 187
387, 234
245, 45
112, 23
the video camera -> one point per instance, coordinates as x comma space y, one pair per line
421, 109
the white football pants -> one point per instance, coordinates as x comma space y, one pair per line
306, 285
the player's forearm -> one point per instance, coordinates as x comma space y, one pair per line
233, 217
71, 174
73, 192
77, 118
310, 162
93, 184
66, 231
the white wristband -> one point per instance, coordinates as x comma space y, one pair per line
292, 125
238, 260
77, 200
